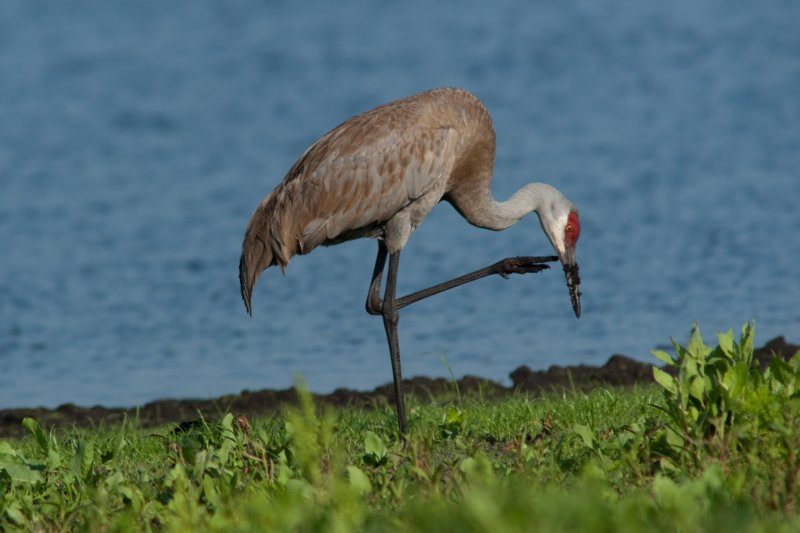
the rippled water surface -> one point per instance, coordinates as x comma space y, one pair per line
137, 137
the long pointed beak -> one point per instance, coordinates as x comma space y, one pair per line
573, 279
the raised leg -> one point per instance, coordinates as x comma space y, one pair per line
504, 267
391, 318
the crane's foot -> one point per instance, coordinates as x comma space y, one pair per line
522, 265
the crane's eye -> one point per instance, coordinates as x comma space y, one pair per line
572, 229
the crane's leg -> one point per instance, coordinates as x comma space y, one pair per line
504, 267
388, 308
391, 317
374, 303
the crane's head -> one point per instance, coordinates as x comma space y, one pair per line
562, 225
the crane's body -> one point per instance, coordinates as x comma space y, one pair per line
379, 174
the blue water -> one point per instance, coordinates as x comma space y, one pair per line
137, 137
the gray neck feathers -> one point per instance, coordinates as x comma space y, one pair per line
496, 215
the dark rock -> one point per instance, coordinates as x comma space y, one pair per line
777, 347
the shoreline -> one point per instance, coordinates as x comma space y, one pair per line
618, 371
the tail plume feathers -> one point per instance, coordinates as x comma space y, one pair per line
257, 253
246, 283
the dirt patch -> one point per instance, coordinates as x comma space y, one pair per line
619, 371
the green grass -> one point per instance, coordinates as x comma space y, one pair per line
712, 447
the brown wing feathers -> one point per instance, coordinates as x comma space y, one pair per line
354, 179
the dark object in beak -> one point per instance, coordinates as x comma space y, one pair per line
573, 281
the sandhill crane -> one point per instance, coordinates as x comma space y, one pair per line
378, 175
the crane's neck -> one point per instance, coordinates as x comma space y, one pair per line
486, 212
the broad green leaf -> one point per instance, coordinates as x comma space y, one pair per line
664, 357
359, 480
227, 422
664, 379
375, 452
586, 433
14, 512
696, 346
735, 379
726, 342
690, 367
674, 438
697, 387
53, 458
373, 444
18, 471
6, 448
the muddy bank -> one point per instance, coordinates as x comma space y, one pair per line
619, 370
